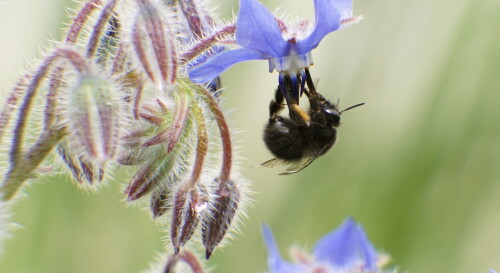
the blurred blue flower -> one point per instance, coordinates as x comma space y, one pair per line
262, 37
492, 271
345, 249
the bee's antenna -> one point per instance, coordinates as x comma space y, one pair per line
354, 106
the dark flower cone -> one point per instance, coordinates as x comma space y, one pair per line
219, 220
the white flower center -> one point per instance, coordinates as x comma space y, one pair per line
292, 63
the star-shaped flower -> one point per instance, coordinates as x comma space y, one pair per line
345, 249
261, 36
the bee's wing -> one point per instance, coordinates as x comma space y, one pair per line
299, 166
294, 167
275, 162
302, 164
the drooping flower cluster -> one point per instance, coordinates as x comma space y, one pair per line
116, 93
344, 250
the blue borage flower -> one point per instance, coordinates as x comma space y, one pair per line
261, 36
345, 249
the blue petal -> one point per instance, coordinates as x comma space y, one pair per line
219, 63
346, 247
492, 271
328, 16
256, 28
276, 263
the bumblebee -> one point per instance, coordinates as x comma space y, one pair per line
300, 138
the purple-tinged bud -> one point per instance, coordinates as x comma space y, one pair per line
220, 216
93, 114
152, 30
133, 139
156, 171
185, 217
71, 163
91, 171
142, 183
131, 155
80, 19
171, 134
182, 216
179, 122
197, 18
160, 202
80, 167
156, 120
159, 138
104, 19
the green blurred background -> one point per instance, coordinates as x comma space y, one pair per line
418, 166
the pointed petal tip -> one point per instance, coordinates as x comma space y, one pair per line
271, 245
269, 239
346, 246
256, 29
329, 16
349, 221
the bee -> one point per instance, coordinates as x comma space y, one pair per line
302, 137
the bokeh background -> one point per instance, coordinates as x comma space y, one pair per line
418, 166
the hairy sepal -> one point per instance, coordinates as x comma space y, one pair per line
93, 114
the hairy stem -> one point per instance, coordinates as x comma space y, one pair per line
206, 44
99, 27
80, 20
227, 155
201, 146
36, 154
50, 105
22, 165
11, 104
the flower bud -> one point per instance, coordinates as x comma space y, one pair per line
81, 168
142, 183
185, 218
93, 114
222, 213
153, 43
160, 202
158, 170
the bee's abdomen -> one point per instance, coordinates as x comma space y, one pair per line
284, 139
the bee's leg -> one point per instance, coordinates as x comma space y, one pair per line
302, 76
316, 100
277, 104
296, 113
310, 84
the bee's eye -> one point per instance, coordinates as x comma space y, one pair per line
332, 116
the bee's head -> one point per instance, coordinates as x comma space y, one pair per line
332, 116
